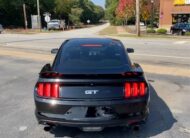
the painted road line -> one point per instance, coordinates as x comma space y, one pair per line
180, 42
27, 55
161, 56
163, 70
155, 69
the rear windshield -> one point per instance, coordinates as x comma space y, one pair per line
89, 57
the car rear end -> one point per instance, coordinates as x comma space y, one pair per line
92, 101
53, 25
91, 98
1, 28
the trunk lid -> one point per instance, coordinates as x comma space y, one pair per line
99, 86
92, 91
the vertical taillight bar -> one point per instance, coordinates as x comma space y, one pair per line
40, 89
47, 90
55, 91
142, 89
127, 90
135, 89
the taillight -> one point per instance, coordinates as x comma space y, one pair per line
142, 89
135, 89
49, 90
55, 90
127, 90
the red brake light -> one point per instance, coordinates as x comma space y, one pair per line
142, 89
40, 89
55, 90
135, 89
49, 90
127, 90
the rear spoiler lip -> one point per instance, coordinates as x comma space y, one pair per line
52, 74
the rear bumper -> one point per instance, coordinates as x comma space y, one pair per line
125, 112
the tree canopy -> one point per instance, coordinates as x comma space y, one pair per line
120, 11
72, 11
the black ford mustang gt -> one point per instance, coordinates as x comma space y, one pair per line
92, 84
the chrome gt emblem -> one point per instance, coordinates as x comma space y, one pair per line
91, 92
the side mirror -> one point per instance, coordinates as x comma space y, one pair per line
130, 50
54, 51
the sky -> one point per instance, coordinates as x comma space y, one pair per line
99, 2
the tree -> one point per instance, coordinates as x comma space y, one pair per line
111, 6
11, 11
122, 11
63, 8
73, 10
75, 16
125, 9
145, 11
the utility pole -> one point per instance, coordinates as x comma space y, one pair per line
152, 13
25, 18
138, 17
38, 11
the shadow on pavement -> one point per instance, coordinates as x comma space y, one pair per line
160, 120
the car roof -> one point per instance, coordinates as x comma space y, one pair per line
105, 41
55, 20
182, 23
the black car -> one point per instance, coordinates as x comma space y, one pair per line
1, 28
91, 85
180, 28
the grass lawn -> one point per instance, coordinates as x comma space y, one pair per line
110, 30
113, 32
153, 36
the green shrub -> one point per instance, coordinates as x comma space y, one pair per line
187, 33
150, 26
161, 31
151, 31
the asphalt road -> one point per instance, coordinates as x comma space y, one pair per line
165, 61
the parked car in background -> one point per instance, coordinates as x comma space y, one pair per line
1, 28
55, 25
142, 24
180, 28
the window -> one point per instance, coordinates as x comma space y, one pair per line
96, 56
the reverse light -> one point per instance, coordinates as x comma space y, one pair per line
135, 89
49, 90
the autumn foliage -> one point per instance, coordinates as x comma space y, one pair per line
121, 12
126, 8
